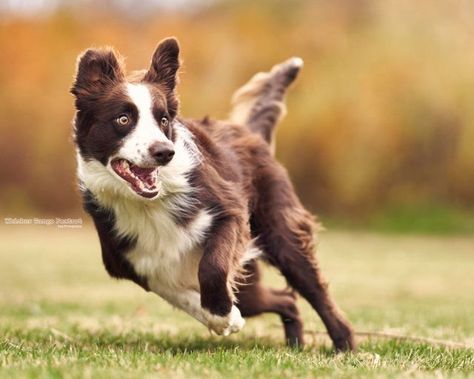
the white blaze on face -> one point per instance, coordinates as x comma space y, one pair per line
145, 132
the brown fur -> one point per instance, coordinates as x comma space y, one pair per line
283, 229
248, 193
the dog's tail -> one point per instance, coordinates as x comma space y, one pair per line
259, 104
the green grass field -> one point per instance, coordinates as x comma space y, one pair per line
61, 316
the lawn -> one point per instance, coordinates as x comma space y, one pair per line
61, 316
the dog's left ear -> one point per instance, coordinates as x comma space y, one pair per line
165, 64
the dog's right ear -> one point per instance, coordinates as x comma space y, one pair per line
96, 69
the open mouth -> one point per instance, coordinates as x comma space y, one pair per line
143, 180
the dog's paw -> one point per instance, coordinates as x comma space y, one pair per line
225, 325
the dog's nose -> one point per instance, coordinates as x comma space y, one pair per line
163, 152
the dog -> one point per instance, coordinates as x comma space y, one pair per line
186, 208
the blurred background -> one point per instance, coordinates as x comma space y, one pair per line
380, 126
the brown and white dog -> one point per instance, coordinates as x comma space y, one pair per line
185, 208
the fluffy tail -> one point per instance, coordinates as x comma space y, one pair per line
259, 104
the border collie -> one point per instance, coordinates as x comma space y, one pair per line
185, 208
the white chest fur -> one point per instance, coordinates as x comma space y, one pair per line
166, 253
168, 256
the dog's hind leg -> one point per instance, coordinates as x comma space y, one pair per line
284, 231
254, 299
259, 104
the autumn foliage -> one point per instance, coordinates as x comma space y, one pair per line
382, 114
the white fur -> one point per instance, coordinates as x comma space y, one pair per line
190, 302
104, 182
145, 132
166, 254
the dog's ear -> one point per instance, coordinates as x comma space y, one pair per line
96, 69
165, 64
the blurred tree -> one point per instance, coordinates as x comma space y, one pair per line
381, 116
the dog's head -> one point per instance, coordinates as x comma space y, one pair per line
127, 124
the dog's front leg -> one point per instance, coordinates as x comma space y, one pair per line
189, 301
215, 270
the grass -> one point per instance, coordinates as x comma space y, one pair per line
61, 316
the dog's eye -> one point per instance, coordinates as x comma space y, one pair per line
122, 120
164, 122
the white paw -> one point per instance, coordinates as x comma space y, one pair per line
225, 325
